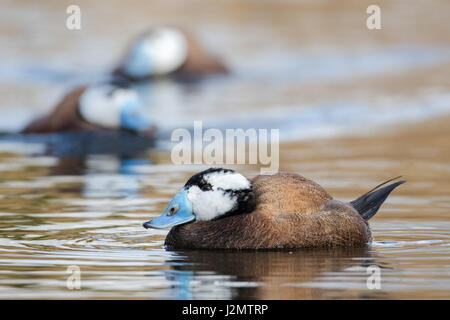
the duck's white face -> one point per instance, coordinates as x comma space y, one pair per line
216, 193
161, 51
206, 196
113, 107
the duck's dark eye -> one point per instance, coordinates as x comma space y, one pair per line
172, 210
205, 187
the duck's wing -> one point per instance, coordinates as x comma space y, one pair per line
301, 213
288, 193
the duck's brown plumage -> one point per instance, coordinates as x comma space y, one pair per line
291, 212
64, 117
199, 62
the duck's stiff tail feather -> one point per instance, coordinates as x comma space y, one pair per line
369, 203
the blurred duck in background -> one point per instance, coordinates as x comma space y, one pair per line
113, 105
163, 51
103, 106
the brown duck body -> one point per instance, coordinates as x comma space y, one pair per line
64, 117
291, 212
199, 62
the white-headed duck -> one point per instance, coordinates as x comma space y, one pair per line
221, 209
162, 51
104, 106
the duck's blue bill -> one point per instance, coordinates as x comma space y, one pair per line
182, 208
132, 117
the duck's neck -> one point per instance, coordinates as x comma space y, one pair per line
245, 203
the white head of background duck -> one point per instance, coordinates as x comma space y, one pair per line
162, 51
221, 209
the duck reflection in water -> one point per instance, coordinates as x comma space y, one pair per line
107, 161
103, 175
299, 274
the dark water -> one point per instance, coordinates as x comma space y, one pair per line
338, 93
